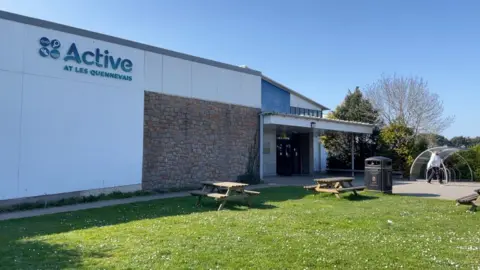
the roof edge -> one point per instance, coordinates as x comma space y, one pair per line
321, 119
293, 92
120, 41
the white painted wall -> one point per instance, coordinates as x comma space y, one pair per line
63, 131
270, 159
10, 111
79, 136
296, 101
174, 76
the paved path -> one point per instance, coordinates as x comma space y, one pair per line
450, 191
419, 188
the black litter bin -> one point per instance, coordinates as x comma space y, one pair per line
378, 174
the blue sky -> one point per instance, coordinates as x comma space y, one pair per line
319, 48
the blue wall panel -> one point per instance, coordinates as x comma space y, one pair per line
274, 99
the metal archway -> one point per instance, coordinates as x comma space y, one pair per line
445, 152
464, 160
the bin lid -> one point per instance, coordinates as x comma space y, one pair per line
378, 158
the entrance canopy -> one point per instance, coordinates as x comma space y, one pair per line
296, 138
318, 123
419, 165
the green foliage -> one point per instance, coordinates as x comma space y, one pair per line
356, 108
460, 141
472, 156
400, 140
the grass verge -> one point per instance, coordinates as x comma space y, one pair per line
287, 228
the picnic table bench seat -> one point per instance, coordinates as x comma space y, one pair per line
471, 199
313, 187
357, 188
340, 190
208, 194
252, 192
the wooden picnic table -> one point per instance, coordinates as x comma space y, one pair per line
335, 185
223, 192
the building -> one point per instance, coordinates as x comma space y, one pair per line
82, 112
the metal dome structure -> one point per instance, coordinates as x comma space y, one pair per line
418, 170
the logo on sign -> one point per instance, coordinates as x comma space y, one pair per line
49, 48
97, 58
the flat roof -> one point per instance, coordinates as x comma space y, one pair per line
124, 42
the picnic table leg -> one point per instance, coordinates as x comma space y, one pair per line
351, 185
337, 186
224, 201
199, 200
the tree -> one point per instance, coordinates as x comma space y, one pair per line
434, 140
398, 137
355, 107
409, 101
460, 141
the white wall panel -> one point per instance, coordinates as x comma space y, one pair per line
11, 54
47, 66
78, 136
252, 90
153, 72
205, 82
177, 76
230, 87
296, 101
10, 110
195, 80
269, 158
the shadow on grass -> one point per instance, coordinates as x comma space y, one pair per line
112, 215
360, 197
34, 254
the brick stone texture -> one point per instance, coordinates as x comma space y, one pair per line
187, 141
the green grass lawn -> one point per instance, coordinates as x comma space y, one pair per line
288, 228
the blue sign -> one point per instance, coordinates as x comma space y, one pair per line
97, 58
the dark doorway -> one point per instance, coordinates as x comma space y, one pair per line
290, 159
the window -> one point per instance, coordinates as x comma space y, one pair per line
305, 112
